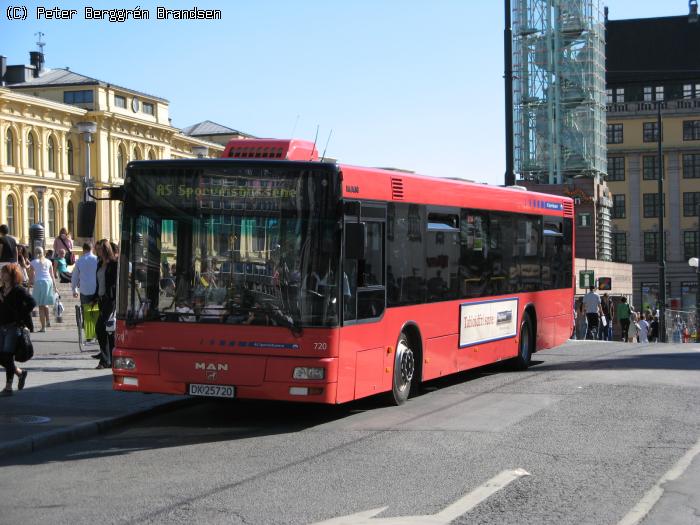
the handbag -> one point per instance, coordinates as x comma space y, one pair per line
24, 349
58, 307
111, 323
70, 256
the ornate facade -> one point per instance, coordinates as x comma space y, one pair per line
43, 155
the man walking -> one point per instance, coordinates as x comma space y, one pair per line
84, 279
623, 315
592, 305
607, 309
8, 246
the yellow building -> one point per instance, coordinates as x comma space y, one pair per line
664, 75
43, 155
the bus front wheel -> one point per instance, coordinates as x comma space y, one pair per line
404, 370
526, 344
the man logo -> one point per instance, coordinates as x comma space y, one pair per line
211, 367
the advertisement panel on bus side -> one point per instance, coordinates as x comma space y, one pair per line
486, 321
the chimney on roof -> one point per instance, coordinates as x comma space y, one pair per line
693, 8
36, 59
3, 69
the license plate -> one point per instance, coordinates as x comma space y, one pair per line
212, 390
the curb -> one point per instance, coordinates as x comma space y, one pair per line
89, 429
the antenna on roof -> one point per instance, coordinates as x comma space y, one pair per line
295, 127
39, 43
326, 147
315, 139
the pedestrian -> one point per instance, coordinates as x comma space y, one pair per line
61, 268
654, 329
634, 326
623, 317
606, 306
107, 293
8, 246
84, 285
44, 286
643, 329
16, 306
23, 261
581, 322
63, 241
591, 302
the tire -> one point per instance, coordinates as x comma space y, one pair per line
525, 344
404, 371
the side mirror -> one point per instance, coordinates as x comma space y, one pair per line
355, 240
86, 218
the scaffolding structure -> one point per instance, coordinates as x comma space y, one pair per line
559, 90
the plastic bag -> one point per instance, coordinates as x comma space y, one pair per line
58, 307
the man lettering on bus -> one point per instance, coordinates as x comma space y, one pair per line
592, 305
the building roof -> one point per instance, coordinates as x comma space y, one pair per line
208, 127
652, 49
66, 77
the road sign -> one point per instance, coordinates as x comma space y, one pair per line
586, 278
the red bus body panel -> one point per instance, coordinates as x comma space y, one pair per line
358, 359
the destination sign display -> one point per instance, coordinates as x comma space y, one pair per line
164, 189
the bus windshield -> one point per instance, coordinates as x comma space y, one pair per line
241, 246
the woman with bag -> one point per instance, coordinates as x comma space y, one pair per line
44, 286
63, 241
16, 306
107, 295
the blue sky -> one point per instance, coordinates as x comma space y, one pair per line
403, 83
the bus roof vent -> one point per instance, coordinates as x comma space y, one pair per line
568, 209
396, 188
292, 149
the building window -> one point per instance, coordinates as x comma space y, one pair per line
31, 211
659, 92
618, 211
584, 219
691, 165
148, 108
619, 247
690, 244
608, 96
648, 94
651, 205
691, 130
650, 167
651, 248
136, 155
52, 219
691, 90
52, 155
619, 95
77, 97
11, 214
616, 168
614, 134
9, 148
151, 155
120, 101
69, 158
71, 217
30, 151
651, 132
120, 162
691, 199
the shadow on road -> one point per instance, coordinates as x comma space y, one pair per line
670, 361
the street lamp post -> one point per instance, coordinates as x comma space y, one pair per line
662, 237
86, 129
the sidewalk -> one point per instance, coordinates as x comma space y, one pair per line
65, 398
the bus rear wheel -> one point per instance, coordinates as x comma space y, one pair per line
526, 344
404, 370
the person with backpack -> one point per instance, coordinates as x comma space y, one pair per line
623, 316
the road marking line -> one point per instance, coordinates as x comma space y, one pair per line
479, 494
653, 495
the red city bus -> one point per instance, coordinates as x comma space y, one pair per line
256, 276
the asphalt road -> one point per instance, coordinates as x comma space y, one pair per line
594, 425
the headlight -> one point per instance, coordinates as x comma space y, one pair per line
305, 372
124, 363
